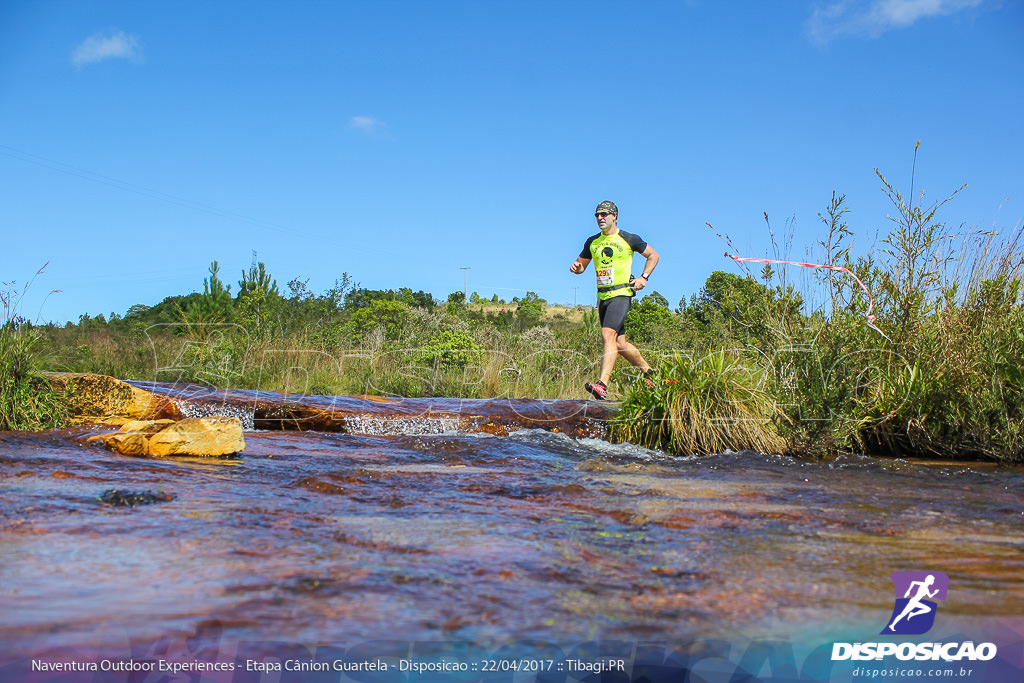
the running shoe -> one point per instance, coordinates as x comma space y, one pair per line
599, 389
648, 378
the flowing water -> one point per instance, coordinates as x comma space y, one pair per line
429, 529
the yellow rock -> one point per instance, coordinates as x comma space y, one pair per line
150, 424
146, 426
160, 438
98, 396
125, 444
199, 436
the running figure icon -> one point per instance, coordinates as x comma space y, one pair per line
915, 607
914, 612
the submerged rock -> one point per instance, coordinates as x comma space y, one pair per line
129, 499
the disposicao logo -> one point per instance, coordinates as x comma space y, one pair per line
914, 612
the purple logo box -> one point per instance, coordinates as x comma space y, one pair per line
914, 610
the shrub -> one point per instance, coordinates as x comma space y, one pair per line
648, 319
390, 316
450, 350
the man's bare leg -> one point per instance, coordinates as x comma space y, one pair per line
609, 354
631, 353
614, 346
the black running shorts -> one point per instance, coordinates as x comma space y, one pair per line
612, 312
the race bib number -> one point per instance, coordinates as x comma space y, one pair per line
605, 277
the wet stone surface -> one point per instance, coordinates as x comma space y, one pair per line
375, 415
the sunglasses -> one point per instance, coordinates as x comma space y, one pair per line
601, 214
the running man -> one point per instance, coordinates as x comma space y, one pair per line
613, 250
915, 606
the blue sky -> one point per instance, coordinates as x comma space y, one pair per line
402, 141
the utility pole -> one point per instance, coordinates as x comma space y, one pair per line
574, 289
465, 284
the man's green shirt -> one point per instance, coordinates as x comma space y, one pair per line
613, 260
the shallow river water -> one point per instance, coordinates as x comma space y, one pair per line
466, 547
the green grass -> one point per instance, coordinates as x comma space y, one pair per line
27, 402
702, 405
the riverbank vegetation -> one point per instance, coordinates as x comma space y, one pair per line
782, 359
27, 402
937, 374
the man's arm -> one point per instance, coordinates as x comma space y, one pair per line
579, 265
652, 261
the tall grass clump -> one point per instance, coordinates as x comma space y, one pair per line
946, 381
943, 378
961, 393
702, 405
27, 401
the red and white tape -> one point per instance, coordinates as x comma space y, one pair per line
821, 266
